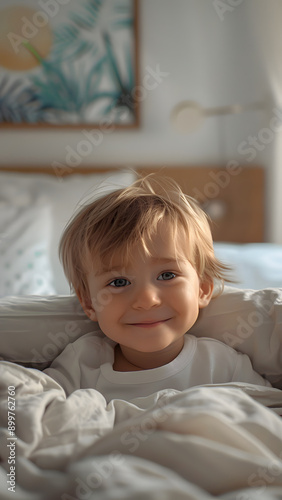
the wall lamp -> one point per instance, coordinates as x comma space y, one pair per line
188, 116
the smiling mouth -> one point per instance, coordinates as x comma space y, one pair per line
149, 324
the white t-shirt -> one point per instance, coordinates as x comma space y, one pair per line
88, 363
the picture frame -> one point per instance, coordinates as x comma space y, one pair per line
65, 63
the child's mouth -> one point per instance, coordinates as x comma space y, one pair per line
149, 324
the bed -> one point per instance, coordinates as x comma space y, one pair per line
211, 441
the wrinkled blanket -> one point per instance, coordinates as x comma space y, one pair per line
222, 441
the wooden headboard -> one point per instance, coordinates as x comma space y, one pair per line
234, 201
233, 197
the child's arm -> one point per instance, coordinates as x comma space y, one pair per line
226, 364
244, 372
78, 366
65, 370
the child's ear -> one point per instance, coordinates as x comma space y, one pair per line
205, 293
87, 307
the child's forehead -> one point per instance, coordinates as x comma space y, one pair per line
159, 249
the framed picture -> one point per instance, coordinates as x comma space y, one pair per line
68, 63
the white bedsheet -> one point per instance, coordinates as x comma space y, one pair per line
207, 441
255, 265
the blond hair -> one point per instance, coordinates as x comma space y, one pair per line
112, 224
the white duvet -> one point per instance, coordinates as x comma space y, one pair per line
222, 441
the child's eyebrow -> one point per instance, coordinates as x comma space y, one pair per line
166, 259
161, 260
107, 270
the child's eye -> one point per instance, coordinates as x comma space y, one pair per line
119, 282
166, 276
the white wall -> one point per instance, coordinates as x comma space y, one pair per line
208, 59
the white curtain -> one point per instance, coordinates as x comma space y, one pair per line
265, 21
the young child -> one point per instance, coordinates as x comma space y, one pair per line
142, 264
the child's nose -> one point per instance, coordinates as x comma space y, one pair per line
146, 297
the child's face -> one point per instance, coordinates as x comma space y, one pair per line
152, 302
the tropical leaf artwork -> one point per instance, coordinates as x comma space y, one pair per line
17, 103
88, 75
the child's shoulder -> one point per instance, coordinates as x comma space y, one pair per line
214, 344
90, 349
95, 339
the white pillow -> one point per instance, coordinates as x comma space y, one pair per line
34, 208
35, 329
25, 234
